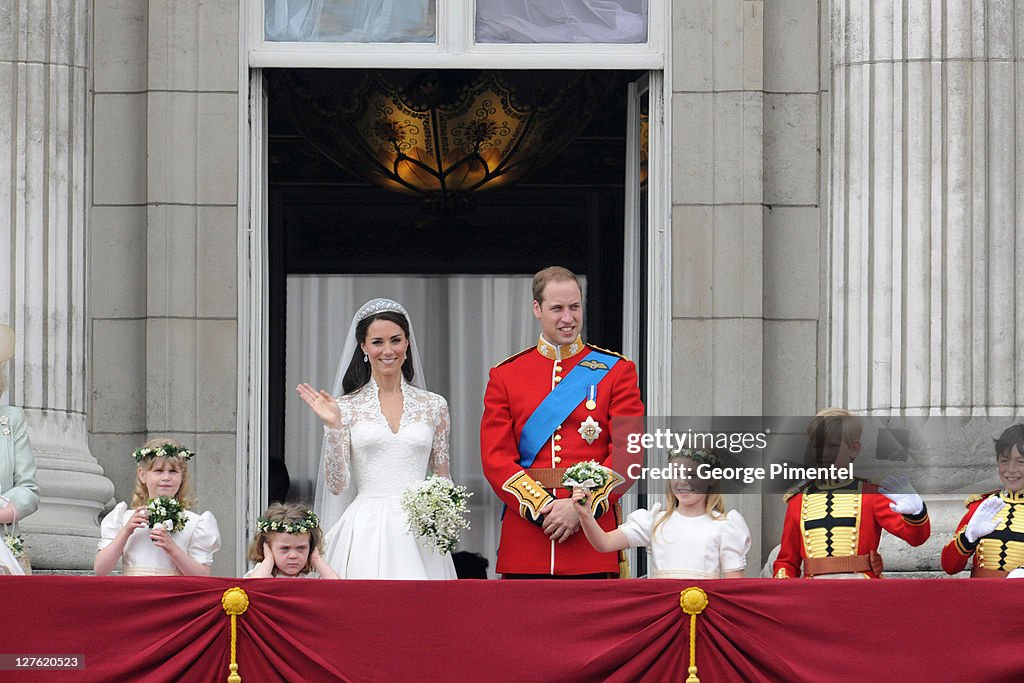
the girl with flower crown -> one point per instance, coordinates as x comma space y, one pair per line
288, 543
158, 535
690, 536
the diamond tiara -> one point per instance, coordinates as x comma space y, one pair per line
379, 306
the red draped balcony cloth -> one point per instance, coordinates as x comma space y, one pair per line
174, 629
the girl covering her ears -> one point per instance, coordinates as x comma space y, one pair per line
287, 545
158, 551
690, 536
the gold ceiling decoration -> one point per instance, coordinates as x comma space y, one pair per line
441, 135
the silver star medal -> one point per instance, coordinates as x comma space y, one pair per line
4, 428
589, 430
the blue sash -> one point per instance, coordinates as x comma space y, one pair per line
562, 400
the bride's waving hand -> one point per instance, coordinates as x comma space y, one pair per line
322, 403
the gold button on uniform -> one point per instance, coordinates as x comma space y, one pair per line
557, 460
557, 448
557, 380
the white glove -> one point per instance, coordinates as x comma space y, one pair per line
901, 492
983, 521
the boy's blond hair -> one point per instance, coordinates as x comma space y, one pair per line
831, 420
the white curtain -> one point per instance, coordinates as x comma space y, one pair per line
464, 326
561, 21
349, 21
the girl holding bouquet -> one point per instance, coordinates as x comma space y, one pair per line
287, 545
158, 535
689, 536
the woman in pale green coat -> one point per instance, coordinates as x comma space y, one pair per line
19, 494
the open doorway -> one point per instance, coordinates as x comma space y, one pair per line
329, 229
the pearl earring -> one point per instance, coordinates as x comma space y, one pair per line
365, 359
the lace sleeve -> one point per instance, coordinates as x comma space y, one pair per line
337, 456
439, 449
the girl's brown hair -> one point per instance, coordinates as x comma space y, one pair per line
286, 513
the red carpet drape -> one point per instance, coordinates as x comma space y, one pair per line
174, 629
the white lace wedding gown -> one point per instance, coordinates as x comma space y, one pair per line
371, 540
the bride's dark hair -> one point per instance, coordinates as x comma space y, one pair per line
358, 373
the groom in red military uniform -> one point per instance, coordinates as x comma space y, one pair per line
545, 409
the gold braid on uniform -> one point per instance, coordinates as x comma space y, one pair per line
1003, 549
532, 495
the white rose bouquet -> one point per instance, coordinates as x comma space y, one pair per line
166, 512
586, 475
436, 509
16, 544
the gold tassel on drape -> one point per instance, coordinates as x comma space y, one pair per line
234, 602
693, 601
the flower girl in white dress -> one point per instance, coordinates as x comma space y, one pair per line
690, 536
125, 533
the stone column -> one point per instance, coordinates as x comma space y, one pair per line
718, 165
43, 188
925, 276
926, 291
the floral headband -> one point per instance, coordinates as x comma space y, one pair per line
304, 526
165, 451
698, 455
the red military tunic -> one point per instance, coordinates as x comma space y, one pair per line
1001, 551
841, 520
516, 387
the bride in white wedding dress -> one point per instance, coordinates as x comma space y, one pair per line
381, 434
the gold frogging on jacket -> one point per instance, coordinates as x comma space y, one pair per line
1003, 549
838, 539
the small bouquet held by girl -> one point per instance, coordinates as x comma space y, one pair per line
690, 535
158, 535
287, 545
593, 478
436, 509
166, 512
13, 559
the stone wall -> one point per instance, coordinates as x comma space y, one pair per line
163, 267
748, 99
